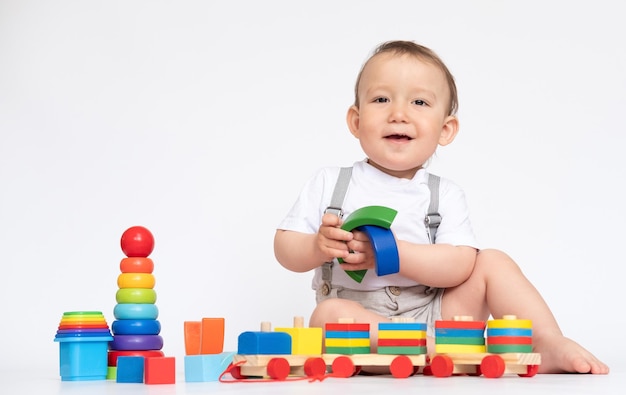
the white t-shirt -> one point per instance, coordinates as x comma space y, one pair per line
370, 186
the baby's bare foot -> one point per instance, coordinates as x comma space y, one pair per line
562, 355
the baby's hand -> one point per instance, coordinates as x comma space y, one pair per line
362, 256
331, 239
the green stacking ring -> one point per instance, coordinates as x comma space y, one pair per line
135, 295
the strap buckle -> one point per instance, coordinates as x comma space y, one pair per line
432, 220
334, 210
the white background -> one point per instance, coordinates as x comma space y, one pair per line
201, 120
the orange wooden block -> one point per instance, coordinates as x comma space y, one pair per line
193, 334
212, 340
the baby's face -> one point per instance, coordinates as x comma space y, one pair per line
403, 113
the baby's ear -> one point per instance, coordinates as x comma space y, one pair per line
352, 118
449, 130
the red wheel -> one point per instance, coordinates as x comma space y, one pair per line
442, 366
278, 368
492, 366
236, 372
427, 371
401, 367
314, 367
531, 371
343, 367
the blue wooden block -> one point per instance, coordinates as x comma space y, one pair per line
206, 367
402, 326
264, 343
130, 369
347, 335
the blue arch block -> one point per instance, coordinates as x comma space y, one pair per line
385, 249
263, 343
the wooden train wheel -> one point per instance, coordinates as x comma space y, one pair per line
343, 367
442, 366
401, 367
531, 371
314, 367
278, 368
236, 372
492, 366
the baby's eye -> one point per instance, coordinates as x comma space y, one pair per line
381, 100
419, 102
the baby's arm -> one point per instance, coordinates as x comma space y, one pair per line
301, 252
436, 265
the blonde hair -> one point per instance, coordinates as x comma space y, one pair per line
421, 52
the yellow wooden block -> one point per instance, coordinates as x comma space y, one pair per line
510, 323
347, 342
459, 348
386, 334
304, 341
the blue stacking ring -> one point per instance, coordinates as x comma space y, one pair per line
135, 311
385, 249
136, 327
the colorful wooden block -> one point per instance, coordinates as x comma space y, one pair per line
386, 257
458, 349
209, 367
510, 321
348, 350
347, 342
347, 335
193, 334
304, 341
212, 340
401, 350
402, 326
347, 327
159, 370
130, 369
402, 335
251, 343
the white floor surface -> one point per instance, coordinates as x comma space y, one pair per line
43, 382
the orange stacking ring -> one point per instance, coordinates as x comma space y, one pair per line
136, 280
136, 265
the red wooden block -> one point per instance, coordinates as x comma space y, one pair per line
401, 342
459, 324
347, 327
509, 340
160, 370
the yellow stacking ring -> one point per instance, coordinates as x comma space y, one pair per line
135, 280
135, 295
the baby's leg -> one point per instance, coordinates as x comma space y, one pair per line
498, 287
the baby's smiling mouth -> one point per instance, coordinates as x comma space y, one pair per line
398, 136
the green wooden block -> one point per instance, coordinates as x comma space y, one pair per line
347, 350
399, 350
480, 341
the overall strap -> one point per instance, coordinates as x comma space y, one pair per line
336, 202
433, 218
341, 187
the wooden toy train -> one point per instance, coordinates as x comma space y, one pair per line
461, 347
